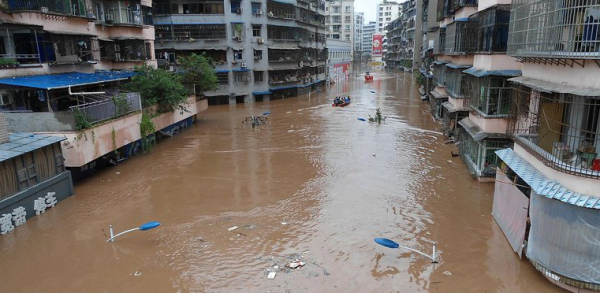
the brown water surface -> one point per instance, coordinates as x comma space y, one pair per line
315, 183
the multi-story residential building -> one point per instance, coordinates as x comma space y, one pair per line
368, 31
387, 11
262, 50
430, 35
340, 20
340, 59
64, 64
404, 38
547, 196
359, 20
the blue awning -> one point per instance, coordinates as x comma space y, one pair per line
283, 88
425, 72
261, 93
481, 72
241, 70
281, 2
65, 80
21, 143
456, 66
544, 186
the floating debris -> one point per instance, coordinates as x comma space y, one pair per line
361, 119
137, 273
374, 155
295, 264
271, 275
232, 228
283, 223
447, 273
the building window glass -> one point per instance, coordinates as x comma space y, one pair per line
223, 78
240, 77
237, 55
256, 30
236, 7
259, 76
258, 54
256, 7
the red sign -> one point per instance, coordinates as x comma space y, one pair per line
377, 45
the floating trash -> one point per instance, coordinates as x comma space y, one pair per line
447, 273
137, 273
232, 228
361, 119
295, 264
272, 275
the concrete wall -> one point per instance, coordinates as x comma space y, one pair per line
61, 184
490, 125
578, 184
41, 121
462, 59
3, 130
83, 147
483, 4
576, 76
458, 103
496, 62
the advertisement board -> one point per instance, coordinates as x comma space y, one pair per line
377, 45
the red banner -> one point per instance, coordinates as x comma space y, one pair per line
377, 45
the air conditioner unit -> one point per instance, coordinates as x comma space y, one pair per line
238, 11
108, 19
244, 65
259, 12
257, 58
4, 100
300, 64
44, 9
239, 39
260, 40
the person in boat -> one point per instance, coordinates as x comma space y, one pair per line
337, 101
367, 74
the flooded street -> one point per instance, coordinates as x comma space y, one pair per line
316, 183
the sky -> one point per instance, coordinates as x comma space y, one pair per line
368, 7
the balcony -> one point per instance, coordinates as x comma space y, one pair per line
122, 13
561, 130
281, 11
440, 46
190, 32
283, 56
459, 37
489, 96
283, 77
56, 7
492, 34
124, 50
554, 29
282, 34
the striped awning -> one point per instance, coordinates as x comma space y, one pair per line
544, 186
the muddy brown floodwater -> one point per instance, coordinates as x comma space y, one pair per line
315, 183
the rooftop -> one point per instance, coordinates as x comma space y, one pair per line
64, 80
21, 143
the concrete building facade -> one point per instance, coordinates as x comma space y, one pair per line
386, 11
262, 50
359, 20
368, 31
404, 38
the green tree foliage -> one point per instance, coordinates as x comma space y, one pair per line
159, 87
198, 70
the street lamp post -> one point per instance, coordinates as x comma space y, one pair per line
143, 227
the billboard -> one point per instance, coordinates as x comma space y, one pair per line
377, 45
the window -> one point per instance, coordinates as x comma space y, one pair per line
256, 30
347, 18
256, 7
380, 8
336, 19
236, 7
258, 54
347, 37
380, 13
347, 27
237, 55
388, 19
223, 78
388, 8
335, 10
381, 19
259, 76
240, 76
348, 8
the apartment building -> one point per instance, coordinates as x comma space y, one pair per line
404, 39
262, 50
359, 20
387, 11
367, 40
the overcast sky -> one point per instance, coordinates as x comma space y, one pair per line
368, 7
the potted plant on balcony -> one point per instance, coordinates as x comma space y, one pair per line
8, 63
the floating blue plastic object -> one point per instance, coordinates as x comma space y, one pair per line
361, 119
373, 91
387, 243
266, 113
149, 226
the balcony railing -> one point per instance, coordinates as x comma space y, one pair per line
490, 96
106, 108
68, 7
493, 29
459, 37
554, 29
561, 130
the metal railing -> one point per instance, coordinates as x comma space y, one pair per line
555, 29
460, 37
106, 108
489, 95
561, 130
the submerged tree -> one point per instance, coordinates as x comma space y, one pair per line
159, 87
378, 117
197, 70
